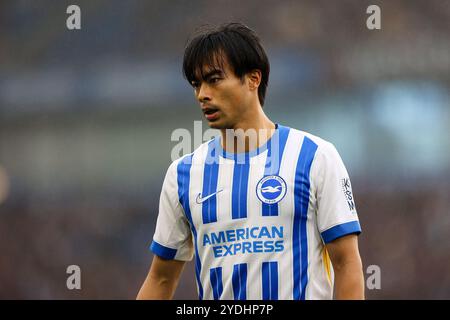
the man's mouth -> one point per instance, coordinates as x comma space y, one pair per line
211, 113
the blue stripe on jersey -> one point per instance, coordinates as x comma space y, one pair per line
162, 251
275, 150
210, 176
265, 281
340, 231
240, 281
239, 191
301, 202
270, 280
215, 275
183, 179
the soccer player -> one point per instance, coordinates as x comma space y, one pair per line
275, 219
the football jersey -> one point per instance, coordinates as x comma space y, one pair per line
256, 223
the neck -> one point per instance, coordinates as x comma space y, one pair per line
249, 133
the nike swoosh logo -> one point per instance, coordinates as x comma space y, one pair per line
199, 199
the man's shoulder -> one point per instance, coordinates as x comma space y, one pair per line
322, 144
325, 155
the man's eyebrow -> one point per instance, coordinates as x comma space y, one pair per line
213, 73
208, 75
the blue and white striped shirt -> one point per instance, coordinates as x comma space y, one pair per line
257, 223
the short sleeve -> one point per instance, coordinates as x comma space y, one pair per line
336, 211
172, 238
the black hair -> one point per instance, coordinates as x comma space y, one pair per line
236, 43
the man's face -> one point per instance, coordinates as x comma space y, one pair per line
223, 96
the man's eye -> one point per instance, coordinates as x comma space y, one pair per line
214, 80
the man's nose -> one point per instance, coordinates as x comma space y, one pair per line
203, 93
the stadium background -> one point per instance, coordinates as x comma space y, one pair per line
86, 119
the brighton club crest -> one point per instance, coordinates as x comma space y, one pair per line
271, 189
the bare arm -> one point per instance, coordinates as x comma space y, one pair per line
162, 279
347, 265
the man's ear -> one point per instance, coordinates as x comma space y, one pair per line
254, 79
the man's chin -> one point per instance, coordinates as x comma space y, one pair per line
216, 124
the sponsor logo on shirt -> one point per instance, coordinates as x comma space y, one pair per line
271, 189
347, 189
248, 240
201, 199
